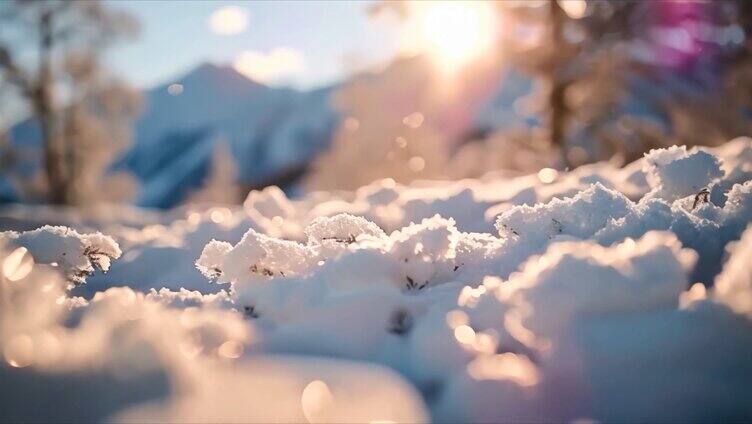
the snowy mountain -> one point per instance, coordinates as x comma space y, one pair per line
271, 132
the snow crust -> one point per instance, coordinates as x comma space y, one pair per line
604, 295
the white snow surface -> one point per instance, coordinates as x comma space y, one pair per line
78, 255
677, 172
608, 294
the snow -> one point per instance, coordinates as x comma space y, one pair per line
733, 286
269, 130
676, 172
341, 229
255, 256
602, 294
78, 255
582, 278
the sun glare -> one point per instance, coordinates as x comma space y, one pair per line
455, 32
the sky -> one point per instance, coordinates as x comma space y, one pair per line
304, 44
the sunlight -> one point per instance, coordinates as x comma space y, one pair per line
455, 32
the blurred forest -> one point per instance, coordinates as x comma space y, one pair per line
611, 80
50, 62
607, 81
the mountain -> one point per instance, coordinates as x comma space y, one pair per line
271, 132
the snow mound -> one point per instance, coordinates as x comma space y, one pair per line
733, 286
126, 356
256, 256
78, 255
677, 172
588, 295
544, 345
341, 228
583, 278
580, 216
706, 228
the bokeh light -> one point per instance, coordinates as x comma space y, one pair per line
316, 400
228, 20
18, 264
575, 9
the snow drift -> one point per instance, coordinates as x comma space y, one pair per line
606, 294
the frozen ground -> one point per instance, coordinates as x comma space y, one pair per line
605, 293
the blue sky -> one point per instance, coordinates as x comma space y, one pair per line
175, 37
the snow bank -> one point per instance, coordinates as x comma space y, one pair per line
601, 294
78, 360
163, 255
580, 325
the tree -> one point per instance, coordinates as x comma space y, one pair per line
577, 52
726, 112
683, 67
82, 112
